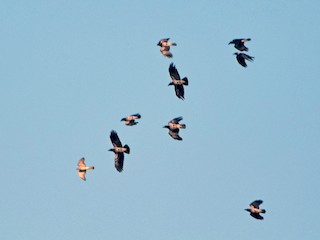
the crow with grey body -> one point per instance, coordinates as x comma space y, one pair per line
174, 127
239, 43
255, 210
165, 47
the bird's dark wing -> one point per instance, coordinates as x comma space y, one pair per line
247, 57
118, 161
241, 60
179, 91
173, 72
256, 216
82, 174
175, 134
136, 115
256, 203
115, 139
176, 120
240, 46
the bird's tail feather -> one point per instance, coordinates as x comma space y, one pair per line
183, 126
186, 82
263, 211
173, 44
127, 149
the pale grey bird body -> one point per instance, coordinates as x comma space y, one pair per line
174, 126
82, 169
165, 47
239, 43
177, 82
118, 150
130, 120
255, 209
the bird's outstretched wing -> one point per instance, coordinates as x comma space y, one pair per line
241, 60
179, 89
176, 120
256, 203
174, 72
175, 134
115, 139
81, 163
256, 216
118, 161
82, 174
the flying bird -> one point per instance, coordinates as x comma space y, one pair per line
130, 120
118, 150
177, 81
239, 43
174, 127
82, 169
241, 57
255, 210
165, 47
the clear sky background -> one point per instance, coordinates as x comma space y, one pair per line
70, 70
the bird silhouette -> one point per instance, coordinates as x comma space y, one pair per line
239, 43
255, 210
177, 81
241, 57
174, 127
118, 150
82, 169
130, 120
165, 47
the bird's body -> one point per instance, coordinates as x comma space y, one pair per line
241, 57
165, 47
174, 127
82, 169
239, 43
118, 150
255, 210
130, 120
177, 81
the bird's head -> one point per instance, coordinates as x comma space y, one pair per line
248, 210
231, 42
123, 119
170, 84
92, 167
111, 150
165, 126
235, 53
159, 44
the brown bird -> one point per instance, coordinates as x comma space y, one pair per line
255, 210
82, 169
239, 43
118, 150
241, 57
174, 127
165, 47
130, 120
177, 81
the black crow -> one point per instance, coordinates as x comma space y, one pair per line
165, 47
177, 81
241, 57
130, 120
255, 210
239, 43
118, 150
174, 127
82, 169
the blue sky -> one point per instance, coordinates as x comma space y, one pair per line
70, 70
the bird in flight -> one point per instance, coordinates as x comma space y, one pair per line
130, 120
239, 43
241, 57
174, 127
177, 81
118, 150
255, 210
82, 169
165, 47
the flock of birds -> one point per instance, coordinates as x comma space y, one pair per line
174, 125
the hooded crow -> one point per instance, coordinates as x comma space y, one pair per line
130, 120
165, 47
239, 43
82, 169
255, 210
241, 57
174, 127
177, 81
118, 150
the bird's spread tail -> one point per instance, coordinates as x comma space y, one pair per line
127, 149
263, 211
183, 126
173, 44
185, 81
